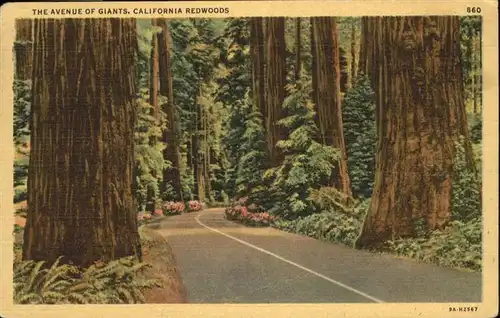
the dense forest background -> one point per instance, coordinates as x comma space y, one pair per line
364, 131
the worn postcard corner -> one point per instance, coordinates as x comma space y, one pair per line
249, 159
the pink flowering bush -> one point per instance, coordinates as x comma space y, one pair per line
242, 214
158, 212
172, 208
143, 216
194, 206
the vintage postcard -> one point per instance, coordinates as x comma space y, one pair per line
249, 159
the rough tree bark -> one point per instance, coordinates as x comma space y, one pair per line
476, 69
154, 76
354, 62
422, 112
326, 75
24, 49
297, 49
275, 86
206, 157
154, 73
171, 135
198, 155
257, 53
80, 197
371, 37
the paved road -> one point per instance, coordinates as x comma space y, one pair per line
224, 262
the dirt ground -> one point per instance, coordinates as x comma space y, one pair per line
159, 254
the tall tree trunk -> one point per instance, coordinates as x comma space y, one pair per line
80, 197
354, 62
328, 99
476, 91
171, 135
154, 73
153, 100
275, 88
314, 65
371, 41
24, 49
297, 49
422, 115
257, 53
206, 158
480, 68
198, 147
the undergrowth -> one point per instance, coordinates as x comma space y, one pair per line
458, 245
338, 225
117, 282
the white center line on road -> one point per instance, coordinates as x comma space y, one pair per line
197, 218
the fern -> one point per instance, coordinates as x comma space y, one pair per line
118, 282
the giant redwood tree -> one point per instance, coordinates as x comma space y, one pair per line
326, 94
24, 48
275, 74
171, 135
421, 112
82, 157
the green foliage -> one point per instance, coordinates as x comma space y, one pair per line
21, 132
466, 190
307, 163
458, 245
329, 198
118, 282
148, 155
358, 111
331, 226
471, 61
234, 83
22, 108
251, 165
475, 123
20, 193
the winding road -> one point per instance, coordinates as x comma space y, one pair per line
224, 262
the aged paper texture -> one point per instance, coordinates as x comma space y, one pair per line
249, 159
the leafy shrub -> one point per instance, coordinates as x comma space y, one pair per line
194, 206
242, 214
117, 282
338, 224
143, 217
329, 198
458, 245
466, 190
358, 115
173, 208
327, 226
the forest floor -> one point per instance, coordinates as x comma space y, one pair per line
160, 256
224, 262
156, 252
